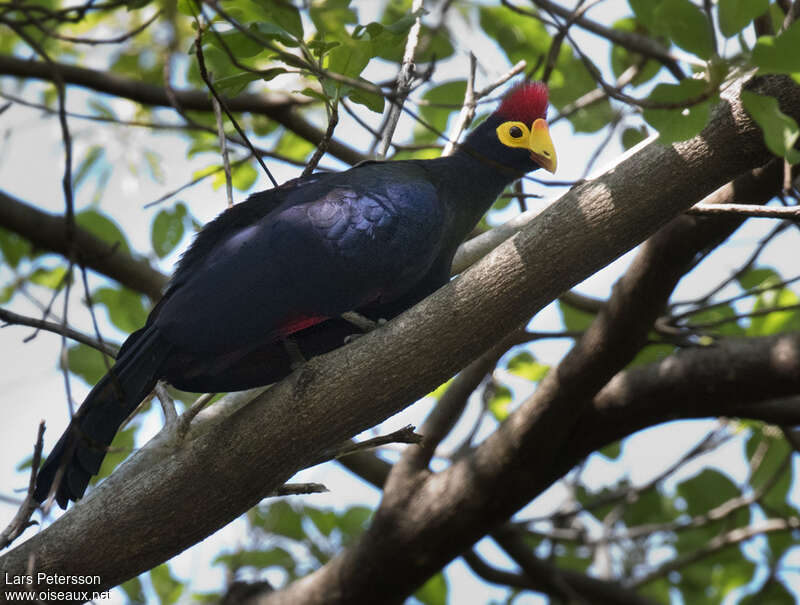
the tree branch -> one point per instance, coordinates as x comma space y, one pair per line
49, 232
280, 108
165, 498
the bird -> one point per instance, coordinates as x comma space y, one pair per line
268, 280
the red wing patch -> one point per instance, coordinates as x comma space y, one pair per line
297, 323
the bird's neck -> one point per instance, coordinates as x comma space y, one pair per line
470, 184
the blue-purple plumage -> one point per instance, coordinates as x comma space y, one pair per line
287, 263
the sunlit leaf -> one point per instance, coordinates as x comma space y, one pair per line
780, 131
434, 591
500, 403
165, 585
125, 307
103, 227
257, 559
687, 25
526, 366
13, 247
778, 54
735, 15
680, 123
168, 229
86, 362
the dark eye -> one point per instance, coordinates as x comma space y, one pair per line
515, 132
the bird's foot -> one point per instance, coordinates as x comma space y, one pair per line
365, 324
296, 358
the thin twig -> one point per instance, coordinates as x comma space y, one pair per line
333, 120
223, 147
467, 109
21, 520
789, 213
198, 44
404, 78
11, 318
299, 489
404, 435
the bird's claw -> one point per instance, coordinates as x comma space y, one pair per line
296, 358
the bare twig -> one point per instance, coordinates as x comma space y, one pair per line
21, 520
333, 120
404, 78
198, 45
783, 212
11, 318
223, 147
299, 489
404, 435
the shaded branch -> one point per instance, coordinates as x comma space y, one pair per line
49, 232
280, 108
339, 394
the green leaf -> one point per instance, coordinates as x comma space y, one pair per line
331, 16
230, 86
165, 585
780, 131
235, 42
772, 449
324, 520
120, 448
278, 518
283, 13
434, 591
716, 314
681, 123
651, 353
520, 38
86, 362
611, 451
13, 247
354, 521
574, 319
449, 93
707, 489
650, 507
293, 146
49, 278
134, 591
778, 54
633, 136
758, 277
103, 227
622, 58
258, 559
368, 99
243, 177
432, 44
735, 15
93, 155
773, 592
125, 307
168, 229
687, 25
500, 403
525, 365
775, 322
645, 11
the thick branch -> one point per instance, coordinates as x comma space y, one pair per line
49, 232
169, 496
280, 108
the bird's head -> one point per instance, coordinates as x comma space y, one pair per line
517, 135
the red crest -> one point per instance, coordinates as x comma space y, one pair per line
525, 102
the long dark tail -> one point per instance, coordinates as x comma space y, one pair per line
80, 451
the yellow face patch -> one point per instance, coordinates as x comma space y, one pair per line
535, 139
